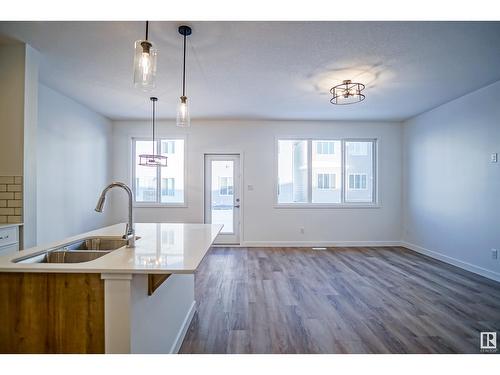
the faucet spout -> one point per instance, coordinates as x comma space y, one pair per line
129, 231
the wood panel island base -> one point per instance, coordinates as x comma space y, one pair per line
138, 300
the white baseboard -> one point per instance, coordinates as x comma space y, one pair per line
176, 346
453, 261
318, 243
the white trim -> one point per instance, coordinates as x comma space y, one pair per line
327, 205
453, 261
318, 243
176, 346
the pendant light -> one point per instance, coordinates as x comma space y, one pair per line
183, 119
153, 159
145, 63
347, 92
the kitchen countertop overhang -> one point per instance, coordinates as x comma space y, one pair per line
163, 248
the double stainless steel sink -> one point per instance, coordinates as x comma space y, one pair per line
80, 251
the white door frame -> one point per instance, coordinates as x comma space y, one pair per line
236, 238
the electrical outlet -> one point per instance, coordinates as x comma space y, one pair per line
494, 157
494, 254
302, 230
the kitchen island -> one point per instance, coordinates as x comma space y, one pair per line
53, 299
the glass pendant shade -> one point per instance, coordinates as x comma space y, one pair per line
183, 119
145, 65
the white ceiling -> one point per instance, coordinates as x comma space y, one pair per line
268, 70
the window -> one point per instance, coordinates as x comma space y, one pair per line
225, 186
326, 181
159, 185
325, 148
312, 171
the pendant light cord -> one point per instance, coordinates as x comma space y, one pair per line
184, 69
147, 29
154, 105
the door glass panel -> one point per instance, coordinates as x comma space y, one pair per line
222, 198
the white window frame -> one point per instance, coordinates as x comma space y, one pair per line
343, 204
158, 203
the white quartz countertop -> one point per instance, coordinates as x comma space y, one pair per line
11, 225
162, 248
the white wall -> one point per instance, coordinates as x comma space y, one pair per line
30, 147
262, 223
74, 156
452, 191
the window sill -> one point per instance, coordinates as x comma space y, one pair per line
327, 206
160, 205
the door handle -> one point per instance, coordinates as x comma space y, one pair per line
237, 206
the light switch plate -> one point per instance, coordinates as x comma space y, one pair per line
494, 157
494, 254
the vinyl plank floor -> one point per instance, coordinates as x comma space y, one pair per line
340, 300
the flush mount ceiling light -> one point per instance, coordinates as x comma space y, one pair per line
145, 63
153, 160
183, 119
347, 93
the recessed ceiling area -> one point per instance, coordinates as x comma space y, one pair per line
267, 70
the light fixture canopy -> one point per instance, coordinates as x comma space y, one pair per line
183, 118
145, 57
153, 159
347, 92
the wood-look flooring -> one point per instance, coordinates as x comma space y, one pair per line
342, 300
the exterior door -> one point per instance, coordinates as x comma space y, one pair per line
222, 195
